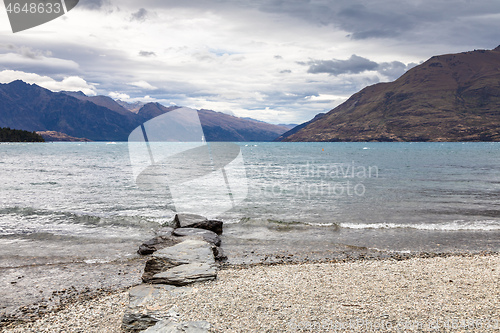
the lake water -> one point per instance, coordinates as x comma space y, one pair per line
64, 202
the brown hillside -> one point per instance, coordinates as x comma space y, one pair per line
453, 97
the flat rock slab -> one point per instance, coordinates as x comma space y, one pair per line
187, 252
195, 233
139, 295
137, 322
168, 326
186, 274
196, 221
144, 295
149, 304
158, 243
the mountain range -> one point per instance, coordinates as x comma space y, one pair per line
452, 97
100, 118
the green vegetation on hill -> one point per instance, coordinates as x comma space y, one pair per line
12, 135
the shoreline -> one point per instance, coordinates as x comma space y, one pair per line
32, 291
358, 256
116, 298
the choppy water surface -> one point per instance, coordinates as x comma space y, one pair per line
78, 201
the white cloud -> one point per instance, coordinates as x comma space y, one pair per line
25, 56
120, 96
326, 98
12, 59
71, 83
148, 99
143, 85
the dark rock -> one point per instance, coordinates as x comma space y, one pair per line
168, 326
155, 266
144, 249
195, 233
136, 322
219, 254
212, 225
158, 243
197, 221
184, 220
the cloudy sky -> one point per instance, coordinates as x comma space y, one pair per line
281, 61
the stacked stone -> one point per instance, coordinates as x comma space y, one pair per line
180, 256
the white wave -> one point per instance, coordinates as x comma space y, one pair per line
320, 224
96, 261
457, 225
231, 220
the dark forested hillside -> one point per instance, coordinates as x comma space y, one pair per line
12, 135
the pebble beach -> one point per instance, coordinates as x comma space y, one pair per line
458, 293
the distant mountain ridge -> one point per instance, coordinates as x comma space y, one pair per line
452, 97
104, 101
32, 108
100, 118
132, 107
218, 126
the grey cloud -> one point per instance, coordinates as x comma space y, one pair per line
353, 65
147, 54
141, 15
285, 71
278, 57
375, 22
25, 51
394, 69
363, 19
28, 53
373, 34
360, 18
8, 46
93, 4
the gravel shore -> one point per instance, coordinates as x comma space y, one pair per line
441, 294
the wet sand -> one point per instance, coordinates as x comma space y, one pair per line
31, 291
